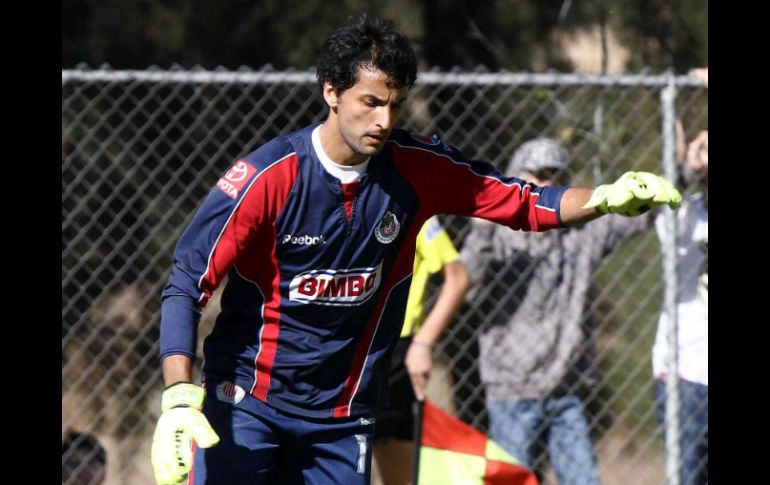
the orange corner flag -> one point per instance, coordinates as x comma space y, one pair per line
454, 453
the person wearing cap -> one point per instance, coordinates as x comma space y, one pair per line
536, 344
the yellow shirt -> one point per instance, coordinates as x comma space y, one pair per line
434, 250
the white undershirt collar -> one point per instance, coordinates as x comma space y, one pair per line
346, 173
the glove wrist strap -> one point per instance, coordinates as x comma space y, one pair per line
182, 394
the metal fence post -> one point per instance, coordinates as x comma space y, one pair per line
673, 428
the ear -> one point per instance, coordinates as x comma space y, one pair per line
330, 95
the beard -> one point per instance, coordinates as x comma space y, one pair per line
356, 143
358, 146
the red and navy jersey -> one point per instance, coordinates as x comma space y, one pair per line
315, 297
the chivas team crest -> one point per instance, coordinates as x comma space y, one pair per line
387, 230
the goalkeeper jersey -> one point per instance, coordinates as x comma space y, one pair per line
315, 301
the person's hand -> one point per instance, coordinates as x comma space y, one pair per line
634, 193
701, 74
418, 362
698, 152
180, 422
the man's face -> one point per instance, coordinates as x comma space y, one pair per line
367, 111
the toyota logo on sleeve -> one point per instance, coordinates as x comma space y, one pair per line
238, 172
235, 179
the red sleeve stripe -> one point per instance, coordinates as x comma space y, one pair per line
463, 164
208, 280
509, 201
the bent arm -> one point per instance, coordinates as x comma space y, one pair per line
419, 357
456, 284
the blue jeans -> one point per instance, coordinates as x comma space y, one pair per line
694, 419
529, 428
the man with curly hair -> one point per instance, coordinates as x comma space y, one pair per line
316, 232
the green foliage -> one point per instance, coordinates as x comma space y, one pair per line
630, 287
519, 36
664, 33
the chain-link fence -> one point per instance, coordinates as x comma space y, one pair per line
141, 149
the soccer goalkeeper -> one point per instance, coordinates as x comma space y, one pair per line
316, 232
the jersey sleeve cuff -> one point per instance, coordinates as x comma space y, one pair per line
550, 198
179, 318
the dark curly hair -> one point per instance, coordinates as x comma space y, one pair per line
369, 42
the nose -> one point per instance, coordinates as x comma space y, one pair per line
385, 118
389, 115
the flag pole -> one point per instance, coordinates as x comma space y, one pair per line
417, 412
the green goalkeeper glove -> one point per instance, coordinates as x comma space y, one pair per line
634, 193
180, 422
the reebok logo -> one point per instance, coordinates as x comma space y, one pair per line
346, 287
304, 240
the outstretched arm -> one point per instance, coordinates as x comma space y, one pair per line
633, 194
572, 202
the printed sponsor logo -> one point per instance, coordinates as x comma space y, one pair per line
347, 287
238, 172
229, 392
235, 179
228, 188
387, 229
304, 240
